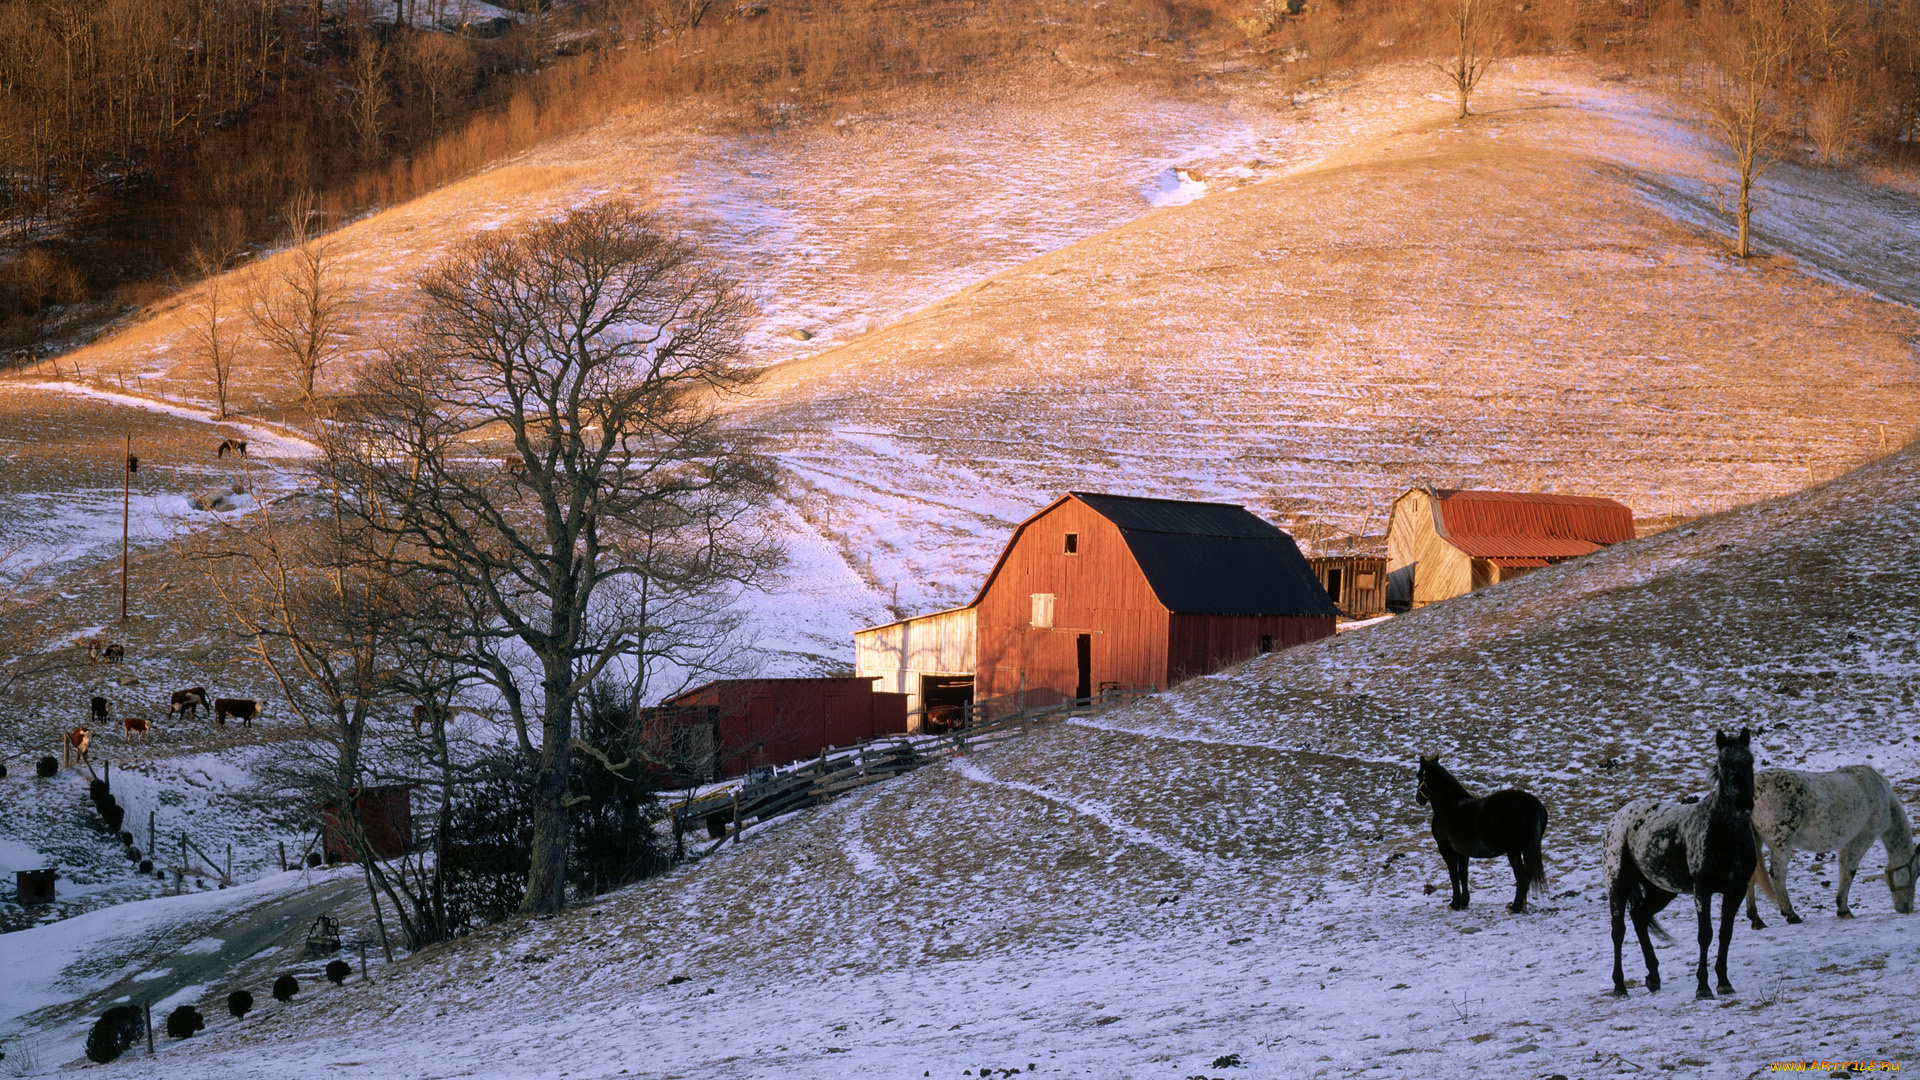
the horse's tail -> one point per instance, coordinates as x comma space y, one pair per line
1760, 876
1531, 862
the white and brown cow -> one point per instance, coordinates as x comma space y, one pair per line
76, 745
185, 701
135, 725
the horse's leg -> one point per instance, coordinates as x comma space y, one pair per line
1456, 871
1779, 858
1518, 861
1643, 913
1617, 911
1703, 916
1729, 908
1850, 856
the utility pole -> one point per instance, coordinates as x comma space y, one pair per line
130, 466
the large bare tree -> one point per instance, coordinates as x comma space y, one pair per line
297, 304
1470, 38
1748, 43
616, 507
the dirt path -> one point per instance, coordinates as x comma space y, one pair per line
273, 924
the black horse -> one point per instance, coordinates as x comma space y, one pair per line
1509, 822
1657, 850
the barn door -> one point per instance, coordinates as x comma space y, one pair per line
1083, 651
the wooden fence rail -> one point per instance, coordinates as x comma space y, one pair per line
763, 796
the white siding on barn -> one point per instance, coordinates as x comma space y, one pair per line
900, 653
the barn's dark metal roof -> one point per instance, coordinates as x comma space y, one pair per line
1213, 558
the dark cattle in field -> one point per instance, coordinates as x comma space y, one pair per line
114, 653
241, 709
102, 711
185, 701
232, 446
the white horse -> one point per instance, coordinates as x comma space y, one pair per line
1845, 810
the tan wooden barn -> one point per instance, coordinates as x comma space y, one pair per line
1446, 542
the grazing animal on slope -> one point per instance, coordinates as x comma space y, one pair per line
101, 710
1657, 850
77, 743
135, 725
232, 446
1508, 822
185, 701
1845, 810
114, 653
241, 709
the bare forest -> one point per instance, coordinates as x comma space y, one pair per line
134, 133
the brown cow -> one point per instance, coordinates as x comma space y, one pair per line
421, 718
513, 463
78, 742
135, 725
185, 701
241, 709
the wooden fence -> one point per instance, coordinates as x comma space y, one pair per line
727, 809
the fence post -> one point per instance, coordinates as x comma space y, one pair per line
283, 856
227, 878
737, 823
180, 875
150, 832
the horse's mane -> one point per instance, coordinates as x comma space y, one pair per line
1441, 782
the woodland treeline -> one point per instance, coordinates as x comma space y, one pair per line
138, 137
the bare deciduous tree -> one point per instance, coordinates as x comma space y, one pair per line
298, 306
594, 346
1747, 41
367, 97
205, 312
1471, 40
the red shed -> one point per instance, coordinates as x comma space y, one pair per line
386, 813
728, 727
1111, 590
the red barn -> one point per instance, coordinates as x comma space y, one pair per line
1108, 589
386, 813
728, 727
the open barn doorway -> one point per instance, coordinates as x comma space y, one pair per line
944, 700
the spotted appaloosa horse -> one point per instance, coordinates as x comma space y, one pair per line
1508, 822
1845, 810
1656, 850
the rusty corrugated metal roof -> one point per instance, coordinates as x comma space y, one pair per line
1530, 525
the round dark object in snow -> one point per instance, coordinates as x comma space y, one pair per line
47, 766
146, 866
285, 987
313, 858
3, 770
184, 1021
337, 971
115, 814
133, 854
239, 1003
333, 858
117, 1029
99, 791
126, 837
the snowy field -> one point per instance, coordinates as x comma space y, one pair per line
1237, 867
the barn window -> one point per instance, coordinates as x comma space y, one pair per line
1266, 643
1073, 543
1043, 610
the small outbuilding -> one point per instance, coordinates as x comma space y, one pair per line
385, 814
1357, 583
733, 726
1444, 542
1109, 591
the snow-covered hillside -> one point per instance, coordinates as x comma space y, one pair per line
1237, 867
